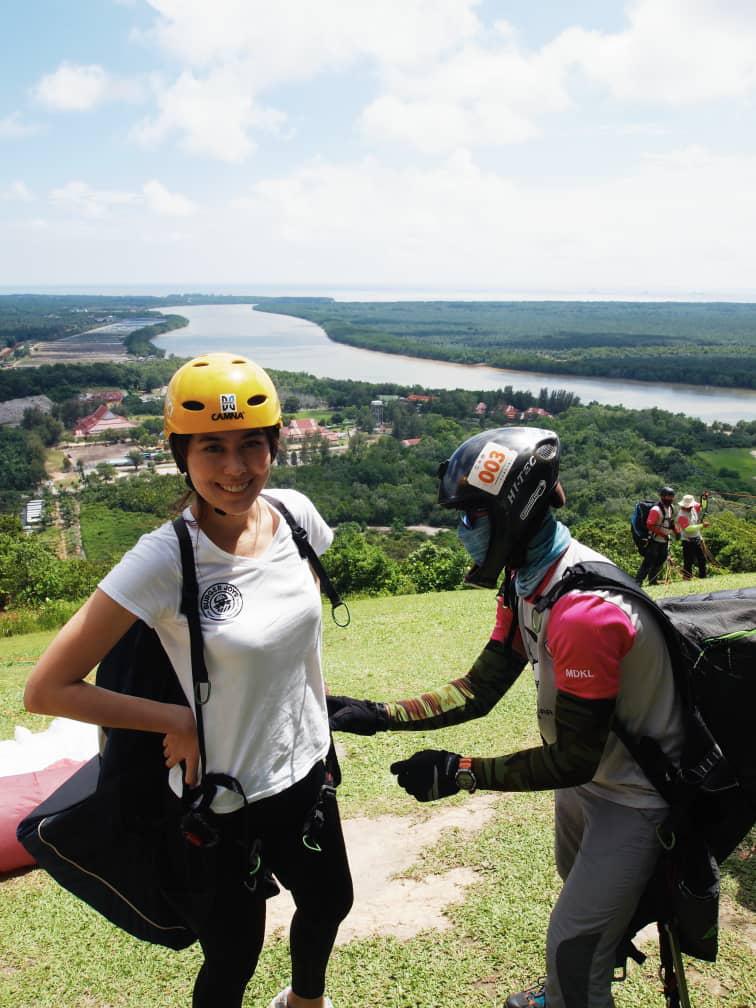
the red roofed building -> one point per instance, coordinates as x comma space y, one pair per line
299, 429
101, 420
511, 413
410, 442
532, 411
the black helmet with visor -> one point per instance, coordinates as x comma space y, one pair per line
511, 474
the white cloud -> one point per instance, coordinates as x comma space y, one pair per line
73, 87
166, 203
82, 199
291, 40
443, 78
489, 95
679, 220
17, 191
76, 87
676, 52
12, 127
245, 50
491, 92
212, 115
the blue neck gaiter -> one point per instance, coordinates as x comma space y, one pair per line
549, 542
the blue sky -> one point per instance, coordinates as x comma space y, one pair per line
590, 146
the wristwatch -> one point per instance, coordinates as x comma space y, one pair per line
464, 778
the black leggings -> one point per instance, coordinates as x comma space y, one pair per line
231, 926
693, 553
653, 561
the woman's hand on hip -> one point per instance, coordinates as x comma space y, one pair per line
181, 745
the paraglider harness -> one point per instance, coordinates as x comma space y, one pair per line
711, 640
103, 834
194, 826
638, 529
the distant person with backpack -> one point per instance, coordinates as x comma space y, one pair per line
265, 718
594, 655
689, 524
660, 525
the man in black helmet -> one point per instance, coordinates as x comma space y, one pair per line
661, 527
592, 654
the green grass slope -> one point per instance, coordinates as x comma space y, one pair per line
55, 951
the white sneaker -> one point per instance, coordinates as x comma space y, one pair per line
281, 1000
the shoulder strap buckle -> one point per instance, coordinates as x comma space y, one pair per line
202, 692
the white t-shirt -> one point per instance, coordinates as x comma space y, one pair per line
265, 721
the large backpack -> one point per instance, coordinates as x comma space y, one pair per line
102, 834
638, 529
711, 640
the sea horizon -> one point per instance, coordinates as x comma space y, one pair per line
341, 292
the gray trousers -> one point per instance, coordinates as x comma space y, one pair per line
605, 853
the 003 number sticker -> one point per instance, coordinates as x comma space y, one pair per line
490, 468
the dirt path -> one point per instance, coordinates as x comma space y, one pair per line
382, 849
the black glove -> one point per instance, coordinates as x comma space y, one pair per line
360, 717
428, 775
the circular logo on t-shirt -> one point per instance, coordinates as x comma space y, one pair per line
221, 601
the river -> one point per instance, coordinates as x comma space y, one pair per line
292, 344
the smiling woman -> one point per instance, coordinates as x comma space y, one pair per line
222, 419
265, 721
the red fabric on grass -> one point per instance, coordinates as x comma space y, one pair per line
19, 795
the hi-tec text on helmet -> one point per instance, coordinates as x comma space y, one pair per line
520, 479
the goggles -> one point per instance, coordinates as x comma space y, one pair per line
469, 519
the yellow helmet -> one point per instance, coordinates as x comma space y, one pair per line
220, 391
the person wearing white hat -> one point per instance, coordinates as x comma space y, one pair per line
689, 524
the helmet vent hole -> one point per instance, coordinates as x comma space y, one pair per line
242, 361
546, 452
201, 363
193, 405
257, 400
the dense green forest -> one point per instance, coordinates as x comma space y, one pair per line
698, 344
53, 316
63, 381
139, 342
